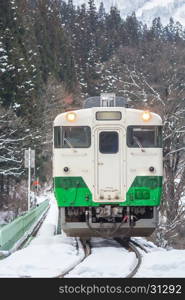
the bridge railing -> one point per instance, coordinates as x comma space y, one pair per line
13, 232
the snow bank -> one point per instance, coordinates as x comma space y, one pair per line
47, 257
163, 264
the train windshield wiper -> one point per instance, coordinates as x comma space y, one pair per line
138, 143
68, 143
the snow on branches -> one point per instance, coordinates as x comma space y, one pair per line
12, 139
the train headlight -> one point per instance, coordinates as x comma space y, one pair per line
146, 116
71, 116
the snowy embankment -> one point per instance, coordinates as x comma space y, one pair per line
49, 255
163, 264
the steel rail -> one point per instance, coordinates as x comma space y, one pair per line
87, 251
133, 246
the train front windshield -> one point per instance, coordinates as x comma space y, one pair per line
72, 136
144, 136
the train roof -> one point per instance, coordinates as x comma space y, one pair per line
96, 102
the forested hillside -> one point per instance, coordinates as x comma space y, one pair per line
53, 55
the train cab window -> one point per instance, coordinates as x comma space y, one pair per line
72, 137
108, 142
144, 136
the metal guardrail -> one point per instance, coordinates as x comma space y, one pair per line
11, 233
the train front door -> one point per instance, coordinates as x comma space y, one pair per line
109, 165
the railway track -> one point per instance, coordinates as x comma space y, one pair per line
128, 244
133, 246
87, 251
83, 251
139, 246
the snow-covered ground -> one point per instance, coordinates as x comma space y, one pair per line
49, 255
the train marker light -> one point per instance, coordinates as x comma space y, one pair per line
151, 169
71, 116
146, 116
66, 169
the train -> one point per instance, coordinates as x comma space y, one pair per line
107, 169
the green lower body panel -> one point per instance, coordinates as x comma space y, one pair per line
145, 191
73, 191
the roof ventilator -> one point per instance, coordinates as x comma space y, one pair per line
107, 100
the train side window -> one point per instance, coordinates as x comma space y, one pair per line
72, 137
57, 137
108, 142
144, 136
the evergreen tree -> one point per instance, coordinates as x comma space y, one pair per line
92, 15
157, 28
52, 42
101, 13
18, 80
132, 29
113, 25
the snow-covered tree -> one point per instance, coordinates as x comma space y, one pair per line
13, 138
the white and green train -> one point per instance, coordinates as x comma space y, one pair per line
107, 169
